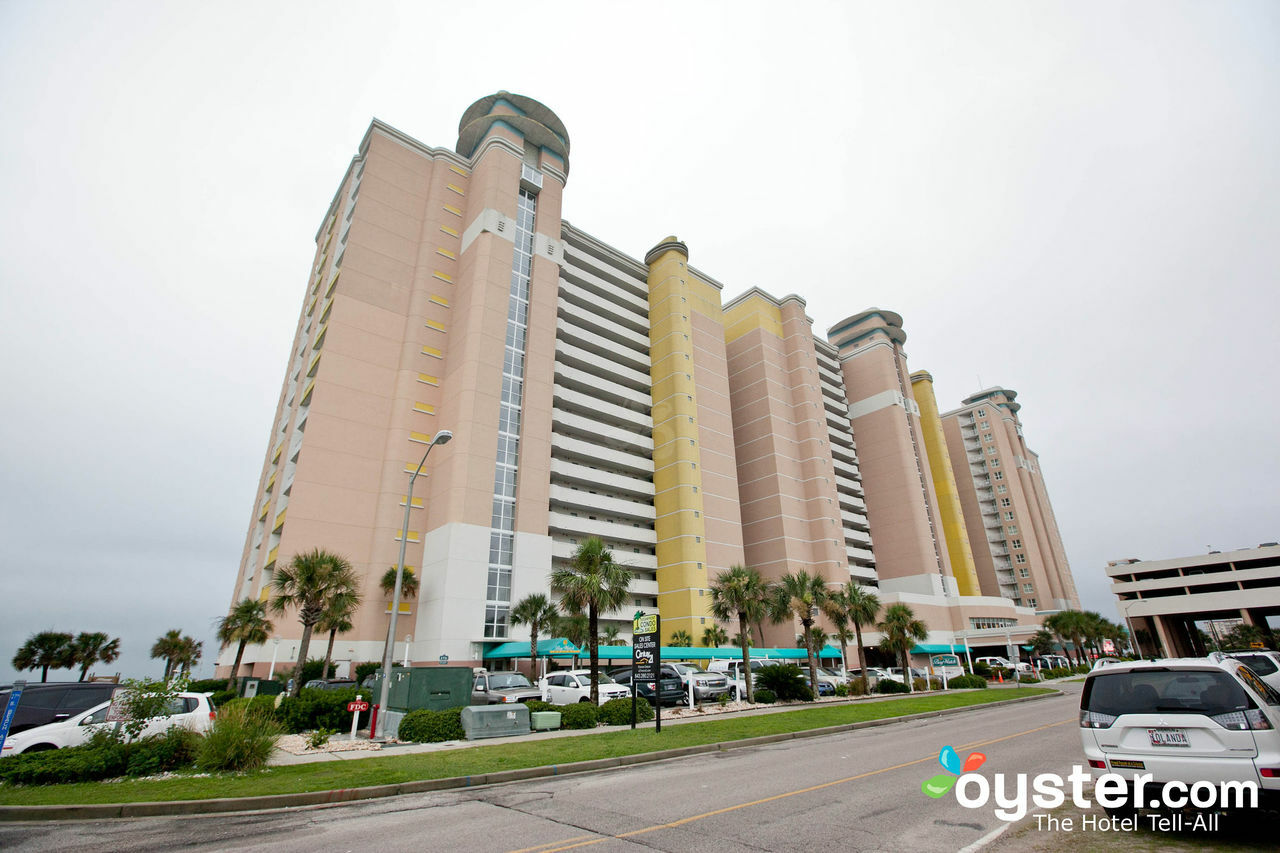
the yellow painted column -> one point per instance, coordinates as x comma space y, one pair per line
944, 484
681, 535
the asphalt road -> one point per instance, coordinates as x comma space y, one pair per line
853, 791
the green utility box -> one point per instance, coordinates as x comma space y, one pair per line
431, 688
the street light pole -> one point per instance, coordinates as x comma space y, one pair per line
276, 648
442, 437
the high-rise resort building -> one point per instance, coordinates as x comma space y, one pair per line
591, 393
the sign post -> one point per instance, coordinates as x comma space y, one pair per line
646, 663
355, 708
15, 696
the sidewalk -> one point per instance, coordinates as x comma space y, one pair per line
710, 712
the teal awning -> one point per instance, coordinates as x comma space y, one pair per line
942, 649
560, 647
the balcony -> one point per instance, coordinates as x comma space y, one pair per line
582, 527
587, 319
615, 461
602, 365
564, 497
597, 386
603, 348
584, 404
562, 549
601, 432
584, 475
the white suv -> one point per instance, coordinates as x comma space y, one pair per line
1265, 664
1182, 720
191, 710
565, 688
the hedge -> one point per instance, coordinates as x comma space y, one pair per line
431, 726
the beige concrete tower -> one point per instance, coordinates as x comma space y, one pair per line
944, 486
791, 516
1017, 548
910, 549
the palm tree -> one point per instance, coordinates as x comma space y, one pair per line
539, 614
740, 591
310, 582
592, 582
837, 610
187, 655
246, 624
1042, 642
682, 639
90, 648
799, 596
573, 627
43, 651
409, 584
611, 636
168, 648
901, 630
337, 620
714, 636
1069, 625
861, 607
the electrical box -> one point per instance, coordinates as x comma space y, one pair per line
431, 688
480, 721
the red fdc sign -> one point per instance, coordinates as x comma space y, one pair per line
357, 706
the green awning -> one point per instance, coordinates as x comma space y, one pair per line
560, 647
557, 646
938, 650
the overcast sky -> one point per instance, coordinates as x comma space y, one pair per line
1077, 201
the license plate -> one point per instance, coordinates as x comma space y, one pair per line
1168, 737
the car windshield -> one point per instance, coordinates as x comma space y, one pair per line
602, 679
1154, 691
500, 680
1261, 664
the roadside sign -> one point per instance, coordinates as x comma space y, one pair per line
1257, 645
1108, 647
646, 662
117, 713
444, 659
15, 696
358, 706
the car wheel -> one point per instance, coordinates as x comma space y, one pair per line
586, 699
40, 747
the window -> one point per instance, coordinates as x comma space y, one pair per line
995, 463
979, 623
999, 475
1012, 528
1024, 573
982, 413
1020, 558
1001, 489
1005, 501
986, 424
991, 451
1008, 516
1031, 602
986, 436
1016, 543
1026, 587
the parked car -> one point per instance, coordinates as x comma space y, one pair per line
1265, 664
895, 672
668, 688
329, 684
565, 688
1051, 662
496, 688
1101, 662
187, 709
995, 662
707, 686
874, 674
1182, 720
52, 702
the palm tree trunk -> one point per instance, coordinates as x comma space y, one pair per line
862, 657
813, 661
44, 673
593, 625
302, 658
533, 651
744, 632
906, 671
84, 669
328, 653
235, 667
844, 654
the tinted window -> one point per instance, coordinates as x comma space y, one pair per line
1265, 691
512, 679
1261, 664
1151, 691
82, 698
47, 698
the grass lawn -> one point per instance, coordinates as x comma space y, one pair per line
328, 775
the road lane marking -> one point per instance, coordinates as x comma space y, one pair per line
586, 841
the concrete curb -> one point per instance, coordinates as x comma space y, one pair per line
320, 799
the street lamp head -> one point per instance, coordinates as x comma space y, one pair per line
442, 437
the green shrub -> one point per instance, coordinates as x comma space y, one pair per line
857, 688
162, 753
242, 738
582, 715
888, 685
842, 690
207, 685
981, 668
318, 738
1028, 678
617, 712
105, 756
432, 726
316, 709
366, 669
221, 697
1082, 669
921, 684
763, 696
536, 705
785, 681
967, 682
